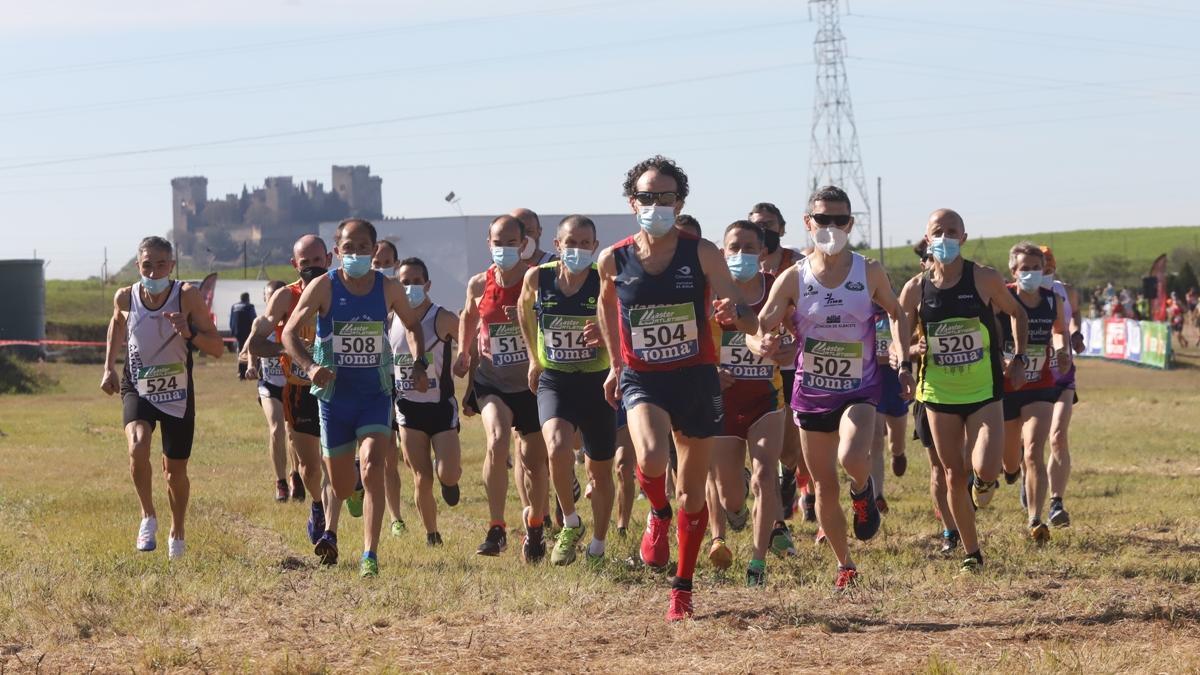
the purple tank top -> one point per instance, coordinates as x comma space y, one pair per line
835, 328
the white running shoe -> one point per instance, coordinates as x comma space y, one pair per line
146, 532
174, 548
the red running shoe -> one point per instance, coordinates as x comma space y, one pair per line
681, 605
846, 577
656, 543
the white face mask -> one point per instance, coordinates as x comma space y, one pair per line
1048, 281
830, 240
528, 249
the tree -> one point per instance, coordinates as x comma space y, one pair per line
221, 244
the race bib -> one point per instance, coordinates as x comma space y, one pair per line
162, 384
665, 333
563, 341
955, 342
271, 368
739, 360
883, 339
404, 373
506, 344
1037, 361
832, 366
358, 344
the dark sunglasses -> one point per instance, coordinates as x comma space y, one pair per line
660, 198
825, 219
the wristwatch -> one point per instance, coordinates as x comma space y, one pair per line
906, 366
1023, 358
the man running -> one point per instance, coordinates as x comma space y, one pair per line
269, 373
428, 420
961, 378
161, 321
754, 419
351, 370
655, 293
1028, 405
830, 298
567, 367
310, 259
500, 388
386, 260
1060, 420
891, 415
690, 225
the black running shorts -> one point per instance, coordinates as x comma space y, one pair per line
579, 399
300, 409
177, 432
691, 396
523, 405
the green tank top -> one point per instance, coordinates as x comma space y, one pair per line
962, 357
560, 323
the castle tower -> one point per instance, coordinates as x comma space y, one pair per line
188, 196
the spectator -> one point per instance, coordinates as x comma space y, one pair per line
241, 317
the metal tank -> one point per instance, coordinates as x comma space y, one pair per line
23, 304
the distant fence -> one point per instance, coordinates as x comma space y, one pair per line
1146, 343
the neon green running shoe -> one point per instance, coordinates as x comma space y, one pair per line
369, 567
565, 543
398, 528
355, 503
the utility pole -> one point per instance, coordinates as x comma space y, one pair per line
834, 151
879, 214
245, 263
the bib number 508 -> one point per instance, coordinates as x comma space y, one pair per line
358, 345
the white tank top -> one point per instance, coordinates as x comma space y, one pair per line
158, 364
435, 356
271, 370
1060, 290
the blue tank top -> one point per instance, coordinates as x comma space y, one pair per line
352, 342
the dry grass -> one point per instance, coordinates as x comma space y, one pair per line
1120, 591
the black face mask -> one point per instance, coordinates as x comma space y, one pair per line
772, 240
312, 272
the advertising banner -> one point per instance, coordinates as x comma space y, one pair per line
1147, 343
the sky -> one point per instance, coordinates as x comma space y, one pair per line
1023, 115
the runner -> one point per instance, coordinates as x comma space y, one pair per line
567, 367
960, 375
386, 260
775, 259
654, 307
310, 259
161, 321
1060, 420
428, 420
690, 225
500, 388
1029, 405
269, 374
754, 420
350, 369
828, 298
891, 415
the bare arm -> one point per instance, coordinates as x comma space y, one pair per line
882, 295
991, 283
117, 327
313, 301
468, 325
722, 284
607, 312
526, 316
258, 344
200, 327
414, 333
781, 298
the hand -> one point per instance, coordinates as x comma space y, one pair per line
420, 379
612, 388
462, 365
894, 356
251, 373
908, 385
768, 345
179, 323
535, 372
726, 377
724, 310
1064, 360
320, 376
591, 335
1016, 373
921, 347
109, 382
510, 312
1077, 343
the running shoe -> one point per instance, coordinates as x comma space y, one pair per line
565, 543
495, 542
297, 487
787, 492
820, 537
981, 493
368, 567
809, 504
326, 548
1058, 515
899, 465
175, 548
681, 605
971, 564
316, 522
1011, 478
846, 577
146, 540
354, 503
1039, 533
533, 548
950, 542
622, 532
866, 513
281, 490
398, 528
881, 504
450, 494
656, 544
781, 541
737, 520
433, 539
719, 554
756, 577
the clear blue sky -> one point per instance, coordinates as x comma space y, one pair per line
1025, 115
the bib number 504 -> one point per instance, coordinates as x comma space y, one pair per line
659, 336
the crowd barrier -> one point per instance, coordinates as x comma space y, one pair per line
1146, 343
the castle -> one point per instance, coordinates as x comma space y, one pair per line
268, 219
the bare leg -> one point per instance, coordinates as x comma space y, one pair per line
276, 435
138, 435
417, 453
537, 469
948, 438
1060, 450
178, 491
1035, 430
559, 438
391, 477
373, 452
625, 460
497, 427
766, 436
601, 475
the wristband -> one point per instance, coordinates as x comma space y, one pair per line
1023, 358
906, 366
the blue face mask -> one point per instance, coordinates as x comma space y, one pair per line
656, 219
577, 259
356, 265
506, 256
1029, 281
943, 250
155, 286
415, 294
742, 266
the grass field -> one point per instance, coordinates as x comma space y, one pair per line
1119, 591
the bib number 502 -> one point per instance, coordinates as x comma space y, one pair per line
831, 367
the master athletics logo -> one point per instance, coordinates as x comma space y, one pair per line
652, 316
946, 328
503, 329
565, 323
357, 328
733, 339
167, 370
842, 350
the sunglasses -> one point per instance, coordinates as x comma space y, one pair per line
660, 198
825, 219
